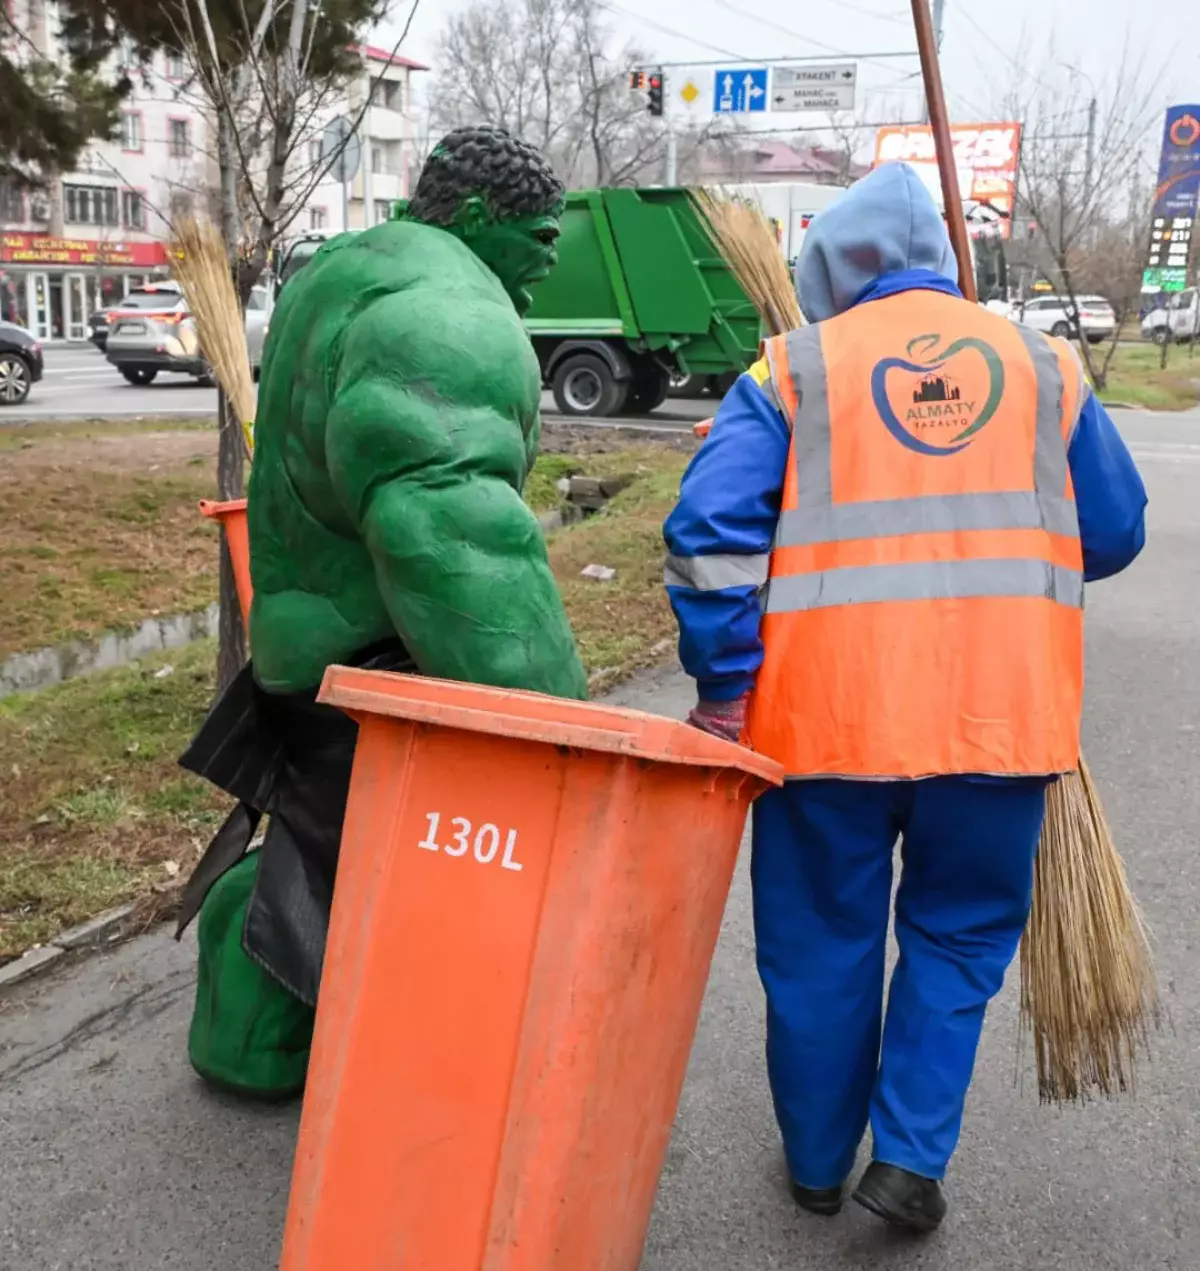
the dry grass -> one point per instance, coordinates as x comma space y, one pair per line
101, 531
93, 807
1137, 379
1089, 997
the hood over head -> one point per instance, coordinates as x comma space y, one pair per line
884, 223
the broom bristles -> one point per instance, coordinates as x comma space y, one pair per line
1089, 993
202, 268
748, 244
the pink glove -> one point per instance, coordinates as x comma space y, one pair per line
722, 719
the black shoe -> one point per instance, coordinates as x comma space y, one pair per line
825, 1201
902, 1198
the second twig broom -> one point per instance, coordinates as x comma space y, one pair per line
1089, 996
201, 265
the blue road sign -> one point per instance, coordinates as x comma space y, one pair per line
740, 90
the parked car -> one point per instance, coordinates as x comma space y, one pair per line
1177, 320
21, 363
98, 328
1097, 319
257, 322
151, 330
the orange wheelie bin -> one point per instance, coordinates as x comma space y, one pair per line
528, 897
231, 517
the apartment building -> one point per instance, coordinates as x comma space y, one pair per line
389, 150
99, 230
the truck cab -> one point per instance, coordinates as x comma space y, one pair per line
1175, 321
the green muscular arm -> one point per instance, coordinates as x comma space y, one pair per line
428, 457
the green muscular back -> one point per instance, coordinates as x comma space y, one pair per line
398, 419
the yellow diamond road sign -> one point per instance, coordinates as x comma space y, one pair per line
689, 92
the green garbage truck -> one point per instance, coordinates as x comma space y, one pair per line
640, 298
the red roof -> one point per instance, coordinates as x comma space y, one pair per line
374, 54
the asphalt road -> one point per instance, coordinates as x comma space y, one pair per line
80, 383
113, 1156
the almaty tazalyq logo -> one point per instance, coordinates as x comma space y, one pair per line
935, 401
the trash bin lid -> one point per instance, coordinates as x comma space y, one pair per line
537, 717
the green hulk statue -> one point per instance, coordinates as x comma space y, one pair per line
397, 422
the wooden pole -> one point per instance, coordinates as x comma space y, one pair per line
935, 98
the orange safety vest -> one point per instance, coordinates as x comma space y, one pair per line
924, 610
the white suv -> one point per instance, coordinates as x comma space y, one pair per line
1051, 314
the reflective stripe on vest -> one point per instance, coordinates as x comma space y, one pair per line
816, 518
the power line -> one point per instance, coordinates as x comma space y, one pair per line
784, 30
1008, 57
667, 30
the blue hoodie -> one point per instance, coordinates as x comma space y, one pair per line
883, 236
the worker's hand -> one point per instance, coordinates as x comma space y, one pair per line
722, 719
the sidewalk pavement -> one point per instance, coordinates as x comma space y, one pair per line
113, 1155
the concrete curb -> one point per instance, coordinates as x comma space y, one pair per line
96, 931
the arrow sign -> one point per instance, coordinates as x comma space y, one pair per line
814, 86
740, 90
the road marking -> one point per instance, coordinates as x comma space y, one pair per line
1175, 455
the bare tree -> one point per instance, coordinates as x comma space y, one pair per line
550, 72
1080, 153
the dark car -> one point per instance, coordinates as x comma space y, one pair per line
20, 363
98, 328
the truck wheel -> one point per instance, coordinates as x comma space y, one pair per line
719, 385
649, 390
688, 385
139, 374
1160, 336
585, 385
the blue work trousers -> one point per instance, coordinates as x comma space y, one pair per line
822, 875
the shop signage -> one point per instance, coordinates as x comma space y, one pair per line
37, 249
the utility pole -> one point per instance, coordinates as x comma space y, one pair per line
939, 14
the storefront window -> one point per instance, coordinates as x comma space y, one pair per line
112, 288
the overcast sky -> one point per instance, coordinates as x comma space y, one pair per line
983, 40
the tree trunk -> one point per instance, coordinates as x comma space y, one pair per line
231, 644
231, 461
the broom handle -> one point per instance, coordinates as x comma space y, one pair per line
935, 98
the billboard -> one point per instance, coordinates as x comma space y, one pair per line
986, 156
1176, 198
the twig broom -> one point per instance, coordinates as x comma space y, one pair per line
202, 267
1089, 998
748, 244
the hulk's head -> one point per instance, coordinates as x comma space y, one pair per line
500, 197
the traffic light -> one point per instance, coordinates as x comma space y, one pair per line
655, 95
637, 80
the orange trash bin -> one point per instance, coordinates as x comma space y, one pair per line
231, 517
528, 897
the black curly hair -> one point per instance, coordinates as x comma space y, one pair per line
513, 177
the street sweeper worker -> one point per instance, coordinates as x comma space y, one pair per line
877, 564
